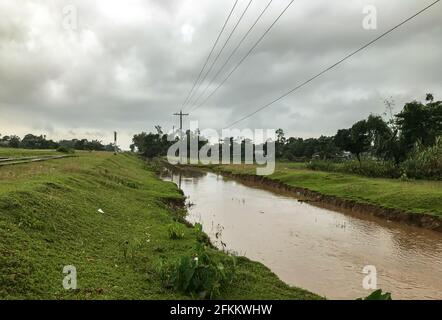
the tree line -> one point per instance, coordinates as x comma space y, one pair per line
31, 141
387, 137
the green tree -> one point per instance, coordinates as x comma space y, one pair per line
151, 145
355, 140
420, 122
326, 147
279, 143
14, 141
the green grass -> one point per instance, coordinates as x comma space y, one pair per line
10, 152
49, 219
415, 197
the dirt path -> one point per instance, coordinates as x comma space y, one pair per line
16, 161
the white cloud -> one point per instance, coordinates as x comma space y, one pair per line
130, 64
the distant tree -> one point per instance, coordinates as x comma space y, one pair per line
10, 141
81, 144
279, 143
14, 142
360, 138
295, 148
379, 134
150, 145
31, 141
343, 139
421, 123
95, 145
429, 97
326, 148
68, 144
355, 140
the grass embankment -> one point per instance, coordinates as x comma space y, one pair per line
10, 153
49, 219
415, 197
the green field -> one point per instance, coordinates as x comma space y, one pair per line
415, 197
8, 153
49, 219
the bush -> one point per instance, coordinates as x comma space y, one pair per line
378, 295
65, 150
369, 168
176, 231
322, 165
425, 163
204, 273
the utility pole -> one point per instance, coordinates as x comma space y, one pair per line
181, 115
115, 142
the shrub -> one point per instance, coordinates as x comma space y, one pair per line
176, 231
200, 235
369, 168
203, 273
377, 295
322, 165
373, 169
425, 162
65, 150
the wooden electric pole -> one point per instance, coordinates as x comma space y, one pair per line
181, 115
115, 142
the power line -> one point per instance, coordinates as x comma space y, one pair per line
210, 54
333, 65
222, 49
234, 50
245, 57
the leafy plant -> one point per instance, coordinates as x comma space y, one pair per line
176, 231
63, 149
425, 162
203, 273
131, 248
368, 168
377, 295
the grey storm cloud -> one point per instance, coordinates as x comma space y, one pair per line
128, 65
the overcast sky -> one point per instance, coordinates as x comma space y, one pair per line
128, 65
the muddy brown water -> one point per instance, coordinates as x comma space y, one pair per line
318, 249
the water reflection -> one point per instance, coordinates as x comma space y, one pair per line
312, 247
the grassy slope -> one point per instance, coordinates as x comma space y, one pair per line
8, 152
411, 196
49, 219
